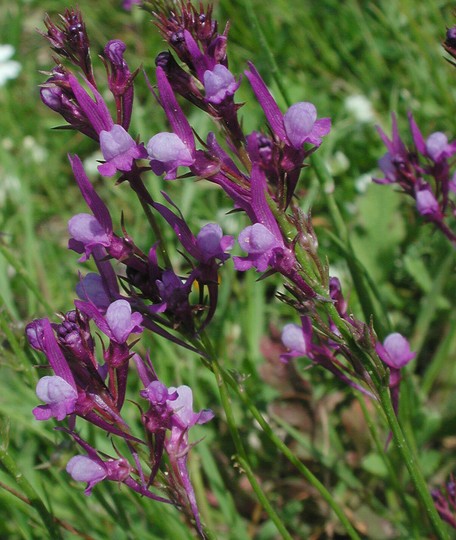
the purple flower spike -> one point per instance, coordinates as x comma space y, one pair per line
219, 84
259, 243
119, 150
60, 398
122, 322
395, 351
167, 152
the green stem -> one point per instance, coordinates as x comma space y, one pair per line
157, 231
412, 465
242, 455
364, 296
282, 447
398, 490
33, 498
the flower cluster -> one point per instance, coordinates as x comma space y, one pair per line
136, 287
424, 173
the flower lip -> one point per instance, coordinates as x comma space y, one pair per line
395, 351
219, 84
167, 152
293, 338
299, 121
257, 239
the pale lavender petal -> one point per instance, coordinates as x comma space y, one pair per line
426, 203
167, 152
257, 239
219, 84
293, 338
121, 321
119, 150
59, 396
395, 351
86, 229
436, 145
212, 243
84, 469
183, 405
299, 121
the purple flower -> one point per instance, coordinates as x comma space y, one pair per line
426, 203
171, 409
167, 152
91, 288
60, 398
84, 469
299, 340
395, 351
295, 341
117, 323
119, 150
182, 420
301, 125
438, 148
120, 80
86, 234
298, 125
94, 470
261, 246
219, 84
212, 243
122, 322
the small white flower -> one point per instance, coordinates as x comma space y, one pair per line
9, 69
360, 107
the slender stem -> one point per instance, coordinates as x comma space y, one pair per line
153, 223
368, 307
412, 465
242, 455
282, 447
392, 473
33, 498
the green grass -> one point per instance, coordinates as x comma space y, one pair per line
388, 51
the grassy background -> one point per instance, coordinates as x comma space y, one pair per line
387, 51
